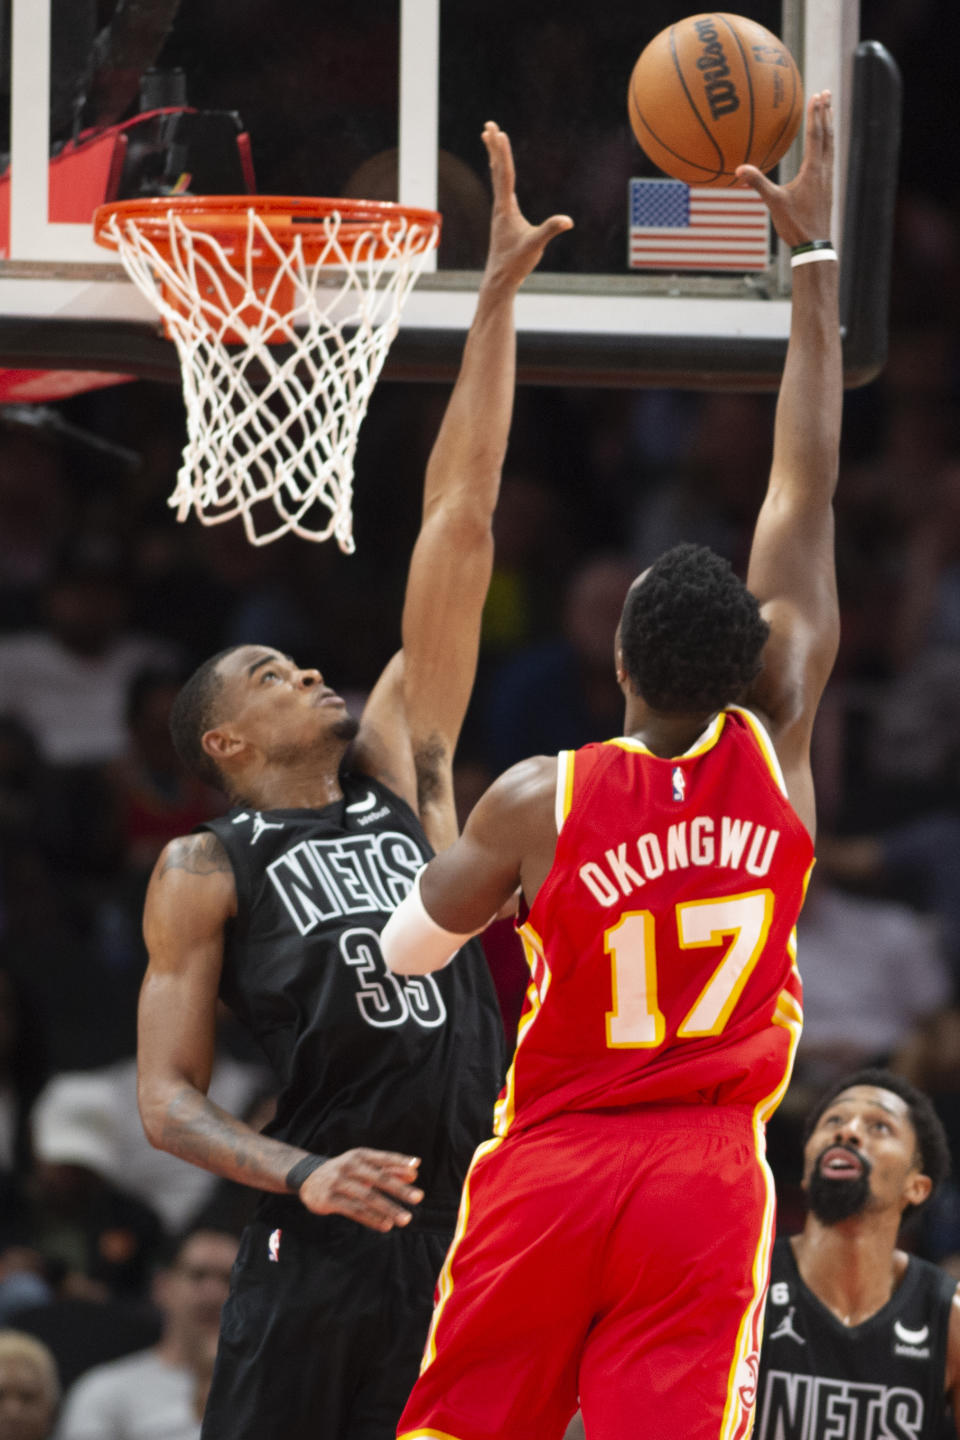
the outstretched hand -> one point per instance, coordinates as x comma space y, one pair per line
801, 210
515, 245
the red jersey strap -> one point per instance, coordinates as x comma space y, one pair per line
764, 744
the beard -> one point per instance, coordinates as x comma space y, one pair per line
341, 732
346, 729
834, 1200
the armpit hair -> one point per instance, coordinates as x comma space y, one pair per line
432, 765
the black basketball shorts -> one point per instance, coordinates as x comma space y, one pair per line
323, 1332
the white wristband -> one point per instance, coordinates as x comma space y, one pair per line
810, 257
413, 943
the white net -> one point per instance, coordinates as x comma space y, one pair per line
279, 354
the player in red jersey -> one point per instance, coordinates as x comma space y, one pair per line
614, 1236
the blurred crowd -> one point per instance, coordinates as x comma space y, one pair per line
114, 1258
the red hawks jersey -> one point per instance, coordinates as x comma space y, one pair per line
662, 943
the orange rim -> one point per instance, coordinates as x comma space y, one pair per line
286, 217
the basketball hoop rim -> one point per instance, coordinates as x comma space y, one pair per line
225, 218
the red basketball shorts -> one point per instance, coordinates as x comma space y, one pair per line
617, 1258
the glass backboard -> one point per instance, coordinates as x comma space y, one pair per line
386, 99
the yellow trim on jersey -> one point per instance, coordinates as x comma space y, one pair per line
765, 745
427, 1435
792, 937
788, 1013
648, 953
445, 1281
806, 882
564, 793
685, 1030
736, 1425
533, 950
744, 1368
705, 741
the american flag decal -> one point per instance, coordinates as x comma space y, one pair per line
674, 226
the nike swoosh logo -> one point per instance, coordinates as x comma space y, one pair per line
910, 1337
360, 806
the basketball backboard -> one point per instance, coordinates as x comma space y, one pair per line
386, 99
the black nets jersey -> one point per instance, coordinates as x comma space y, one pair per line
363, 1057
882, 1380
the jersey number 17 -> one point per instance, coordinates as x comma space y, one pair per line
740, 923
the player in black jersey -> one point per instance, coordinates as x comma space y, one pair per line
861, 1340
386, 1086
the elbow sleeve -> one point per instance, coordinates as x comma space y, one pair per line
413, 943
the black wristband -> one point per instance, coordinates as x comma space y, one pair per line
299, 1172
809, 245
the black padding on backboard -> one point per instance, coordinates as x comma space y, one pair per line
868, 223
651, 361
120, 345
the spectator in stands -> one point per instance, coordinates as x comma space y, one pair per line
68, 682
563, 693
22, 1071
29, 1388
75, 1216
178, 1192
919, 859
871, 970
34, 511
158, 1393
156, 798
23, 1280
26, 880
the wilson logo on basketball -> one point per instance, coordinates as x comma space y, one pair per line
722, 94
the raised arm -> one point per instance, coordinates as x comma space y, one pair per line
508, 841
189, 901
453, 556
792, 570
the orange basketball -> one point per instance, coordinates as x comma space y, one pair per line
713, 92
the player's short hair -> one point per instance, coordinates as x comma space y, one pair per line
932, 1145
691, 633
172, 1248
194, 712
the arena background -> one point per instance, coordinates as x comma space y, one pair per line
598, 481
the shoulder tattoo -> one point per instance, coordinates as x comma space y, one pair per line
201, 854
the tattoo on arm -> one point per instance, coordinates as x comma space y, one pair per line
197, 1130
197, 854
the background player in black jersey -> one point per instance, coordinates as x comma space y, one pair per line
860, 1338
277, 907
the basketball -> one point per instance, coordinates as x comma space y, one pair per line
713, 92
